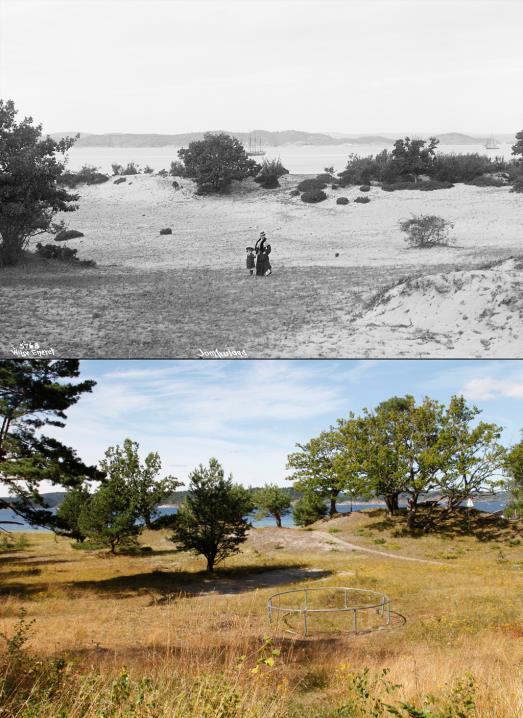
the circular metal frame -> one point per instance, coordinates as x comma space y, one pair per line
381, 604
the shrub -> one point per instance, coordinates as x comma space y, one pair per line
466, 167
426, 186
177, 169
365, 188
51, 251
342, 200
294, 192
313, 195
362, 200
163, 173
270, 172
120, 180
311, 184
334, 186
87, 175
167, 230
361, 170
131, 169
148, 170
325, 177
66, 234
487, 181
116, 168
426, 230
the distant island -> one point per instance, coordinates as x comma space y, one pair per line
266, 138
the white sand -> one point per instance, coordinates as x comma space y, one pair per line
122, 223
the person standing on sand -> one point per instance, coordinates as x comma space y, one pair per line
250, 260
263, 266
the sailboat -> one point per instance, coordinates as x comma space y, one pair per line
255, 148
491, 143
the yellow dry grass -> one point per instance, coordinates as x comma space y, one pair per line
200, 642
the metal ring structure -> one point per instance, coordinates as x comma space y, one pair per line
379, 602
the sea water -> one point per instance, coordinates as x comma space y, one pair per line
298, 159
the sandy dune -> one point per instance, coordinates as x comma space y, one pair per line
175, 295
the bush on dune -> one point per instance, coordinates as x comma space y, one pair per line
426, 186
86, 175
270, 172
294, 192
325, 177
362, 200
426, 230
313, 196
342, 200
177, 169
488, 181
311, 184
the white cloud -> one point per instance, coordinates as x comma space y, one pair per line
488, 388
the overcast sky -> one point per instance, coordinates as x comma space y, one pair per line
249, 415
318, 65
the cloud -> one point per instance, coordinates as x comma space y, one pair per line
489, 388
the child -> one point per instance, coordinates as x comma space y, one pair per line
250, 259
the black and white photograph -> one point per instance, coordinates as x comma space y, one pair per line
215, 178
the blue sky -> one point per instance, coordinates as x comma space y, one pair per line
250, 414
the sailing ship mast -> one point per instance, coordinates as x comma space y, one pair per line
255, 150
491, 143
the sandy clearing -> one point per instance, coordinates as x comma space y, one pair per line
121, 224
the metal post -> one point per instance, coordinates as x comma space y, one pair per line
388, 612
345, 602
355, 626
270, 610
305, 613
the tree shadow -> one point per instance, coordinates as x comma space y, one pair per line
225, 581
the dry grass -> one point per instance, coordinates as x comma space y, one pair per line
200, 640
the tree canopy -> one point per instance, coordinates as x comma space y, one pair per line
216, 161
33, 394
271, 500
212, 519
30, 194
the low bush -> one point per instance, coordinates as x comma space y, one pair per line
177, 169
294, 192
426, 230
313, 196
120, 180
86, 175
334, 186
466, 167
60, 252
167, 230
325, 177
487, 181
362, 200
365, 188
163, 173
270, 172
148, 170
311, 184
426, 186
66, 234
131, 169
342, 200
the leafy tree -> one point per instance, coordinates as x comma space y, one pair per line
514, 485
215, 161
412, 157
271, 500
309, 508
69, 512
211, 521
270, 172
148, 491
30, 195
110, 518
315, 467
474, 458
33, 394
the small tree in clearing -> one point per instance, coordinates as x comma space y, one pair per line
310, 508
215, 161
69, 512
211, 521
427, 230
30, 195
110, 517
271, 500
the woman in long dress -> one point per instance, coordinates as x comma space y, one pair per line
263, 266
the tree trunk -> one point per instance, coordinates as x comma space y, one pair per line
11, 248
332, 508
210, 563
278, 520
